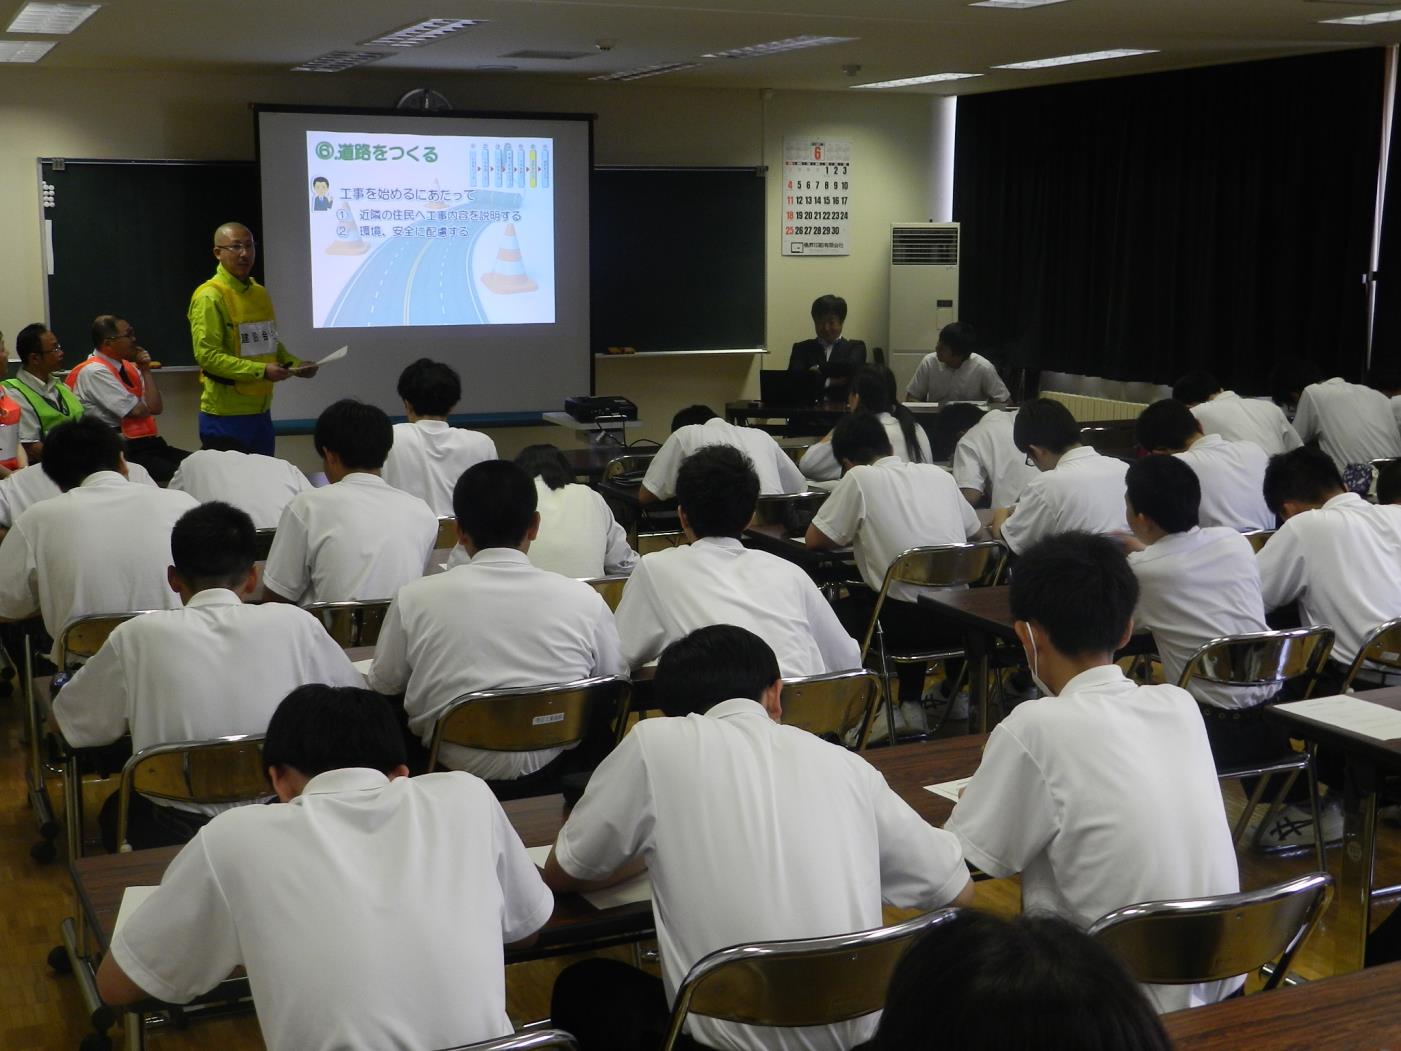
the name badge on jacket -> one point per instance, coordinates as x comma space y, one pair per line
256, 338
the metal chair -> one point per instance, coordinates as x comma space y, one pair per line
954, 565
802, 982
84, 637
1210, 939
611, 588
538, 1040
1382, 646
1258, 538
263, 539
840, 706
1257, 659
447, 534
223, 770
793, 511
351, 624
629, 464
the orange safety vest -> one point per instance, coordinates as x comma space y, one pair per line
9, 432
145, 427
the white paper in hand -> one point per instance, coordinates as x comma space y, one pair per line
335, 355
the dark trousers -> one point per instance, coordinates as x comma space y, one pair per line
148, 824
611, 1006
156, 455
906, 627
254, 431
1240, 737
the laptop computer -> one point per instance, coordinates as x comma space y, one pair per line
781, 387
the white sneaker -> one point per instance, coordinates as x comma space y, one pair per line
909, 718
1293, 826
959, 711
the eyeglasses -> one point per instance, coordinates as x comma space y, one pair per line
128, 334
237, 247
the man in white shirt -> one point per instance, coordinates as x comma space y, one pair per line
261, 486
1232, 474
20, 490
715, 579
103, 546
369, 909
954, 372
579, 536
1112, 784
495, 623
44, 400
429, 454
1077, 489
696, 427
1353, 424
1236, 419
214, 668
987, 463
358, 539
750, 830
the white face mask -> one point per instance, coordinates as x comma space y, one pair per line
1046, 691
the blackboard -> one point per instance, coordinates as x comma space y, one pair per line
133, 238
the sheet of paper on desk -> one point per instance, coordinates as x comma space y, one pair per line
363, 667
639, 888
1350, 713
540, 855
131, 901
948, 789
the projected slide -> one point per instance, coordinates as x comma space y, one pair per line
422, 230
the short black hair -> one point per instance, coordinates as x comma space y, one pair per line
1389, 483
710, 665
718, 489
321, 178
1167, 425
214, 545
1290, 376
104, 327
860, 438
29, 342
430, 387
1046, 423
1306, 475
979, 982
959, 337
692, 414
1165, 489
1079, 588
318, 728
545, 462
956, 420
359, 434
494, 501
72, 451
225, 443
823, 306
874, 386
1196, 387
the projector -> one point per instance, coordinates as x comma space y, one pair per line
587, 409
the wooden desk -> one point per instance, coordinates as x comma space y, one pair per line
588, 463
774, 539
815, 419
983, 616
1361, 1010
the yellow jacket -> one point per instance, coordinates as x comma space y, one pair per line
234, 331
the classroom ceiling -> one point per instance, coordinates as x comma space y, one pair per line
893, 38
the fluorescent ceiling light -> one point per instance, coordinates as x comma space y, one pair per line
1070, 60
647, 71
1015, 5
335, 61
1363, 20
774, 47
24, 50
51, 19
909, 82
429, 31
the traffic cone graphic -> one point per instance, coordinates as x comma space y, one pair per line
508, 277
347, 240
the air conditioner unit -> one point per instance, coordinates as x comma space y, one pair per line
923, 292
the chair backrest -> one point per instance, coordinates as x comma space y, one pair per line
1261, 658
951, 565
534, 717
263, 539
447, 534
629, 463
840, 705
538, 1040
224, 770
83, 637
1258, 538
1381, 648
810, 981
788, 509
351, 624
611, 588
1210, 939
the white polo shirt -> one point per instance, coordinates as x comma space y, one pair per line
579, 536
259, 485
429, 456
887, 507
105, 396
1396, 408
1232, 477
820, 464
1256, 420
1340, 562
776, 470
1194, 587
754, 832
975, 380
358, 539
1353, 423
1102, 797
1084, 491
986, 459
369, 913
22, 489
717, 580
103, 547
495, 623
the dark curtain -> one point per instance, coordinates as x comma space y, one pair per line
1386, 331
1141, 227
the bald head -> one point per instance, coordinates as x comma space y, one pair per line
234, 248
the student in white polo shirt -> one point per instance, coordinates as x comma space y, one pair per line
103, 546
1112, 784
1353, 424
872, 391
697, 426
261, 486
429, 454
359, 538
579, 536
1236, 419
715, 579
750, 831
1232, 474
495, 623
214, 668
1077, 489
20, 490
987, 465
370, 909
954, 372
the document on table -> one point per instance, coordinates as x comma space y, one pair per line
363, 667
948, 789
131, 901
1350, 713
637, 889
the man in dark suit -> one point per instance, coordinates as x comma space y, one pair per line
828, 353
